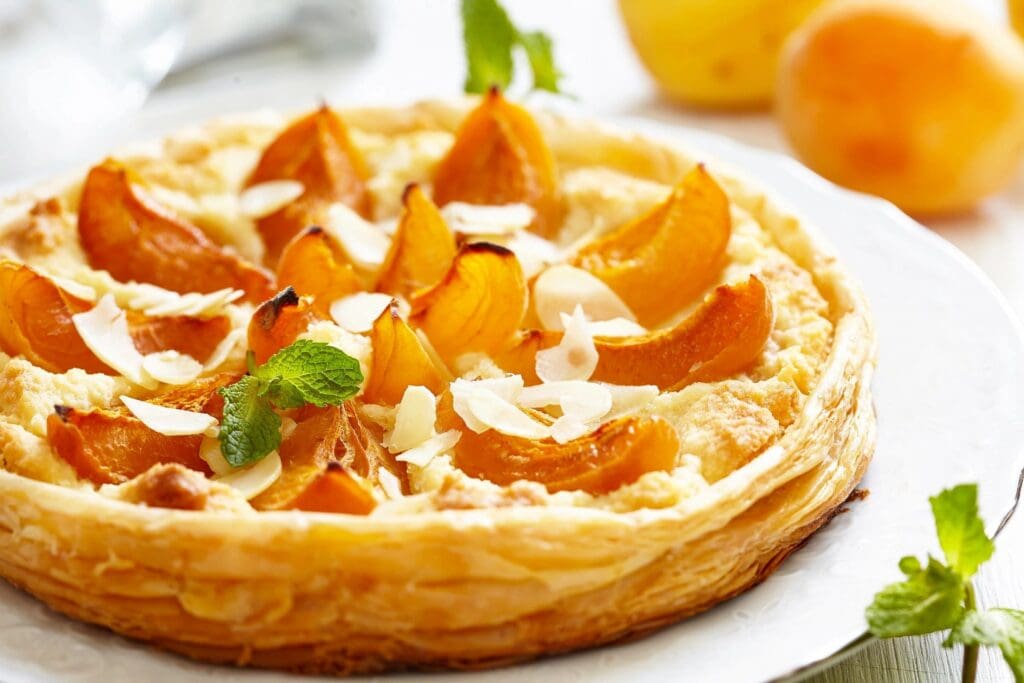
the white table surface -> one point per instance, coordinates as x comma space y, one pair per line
419, 56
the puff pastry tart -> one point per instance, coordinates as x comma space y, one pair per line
598, 385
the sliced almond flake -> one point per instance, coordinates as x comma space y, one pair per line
266, 198
422, 455
566, 429
626, 398
104, 329
191, 304
382, 416
579, 400
476, 219
357, 312
534, 252
388, 226
209, 451
169, 421
171, 367
482, 409
507, 387
224, 348
74, 288
616, 328
575, 356
177, 201
153, 300
389, 484
414, 420
253, 480
560, 288
233, 163
288, 426
363, 242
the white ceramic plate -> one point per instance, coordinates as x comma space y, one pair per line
948, 392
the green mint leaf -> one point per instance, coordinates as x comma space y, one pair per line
960, 529
488, 36
541, 56
1003, 628
931, 599
910, 565
250, 428
309, 372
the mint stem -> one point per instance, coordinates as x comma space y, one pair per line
970, 651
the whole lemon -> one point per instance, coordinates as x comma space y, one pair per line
917, 101
716, 53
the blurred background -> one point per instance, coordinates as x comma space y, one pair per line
919, 101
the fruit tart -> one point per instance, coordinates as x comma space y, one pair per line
450, 385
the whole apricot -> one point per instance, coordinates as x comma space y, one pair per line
917, 101
713, 53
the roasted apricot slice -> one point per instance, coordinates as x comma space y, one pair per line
197, 337
399, 361
315, 266
618, 453
338, 490
316, 151
35, 321
423, 247
726, 334
278, 322
305, 455
126, 232
658, 262
500, 157
723, 336
112, 446
477, 306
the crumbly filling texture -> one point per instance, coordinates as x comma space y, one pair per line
720, 425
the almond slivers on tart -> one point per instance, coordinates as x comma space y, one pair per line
450, 385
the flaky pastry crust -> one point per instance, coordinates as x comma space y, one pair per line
461, 588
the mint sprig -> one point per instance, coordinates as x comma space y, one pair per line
490, 39
938, 596
306, 372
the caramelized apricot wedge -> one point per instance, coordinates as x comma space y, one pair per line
658, 262
618, 453
337, 490
35, 321
305, 455
316, 151
196, 337
477, 306
399, 361
126, 232
723, 336
500, 157
314, 266
112, 446
423, 247
278, 322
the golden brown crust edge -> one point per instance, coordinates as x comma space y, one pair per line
332, 594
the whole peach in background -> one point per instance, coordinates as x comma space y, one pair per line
918, 101
714, 53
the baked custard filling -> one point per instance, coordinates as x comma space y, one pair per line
503, 325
